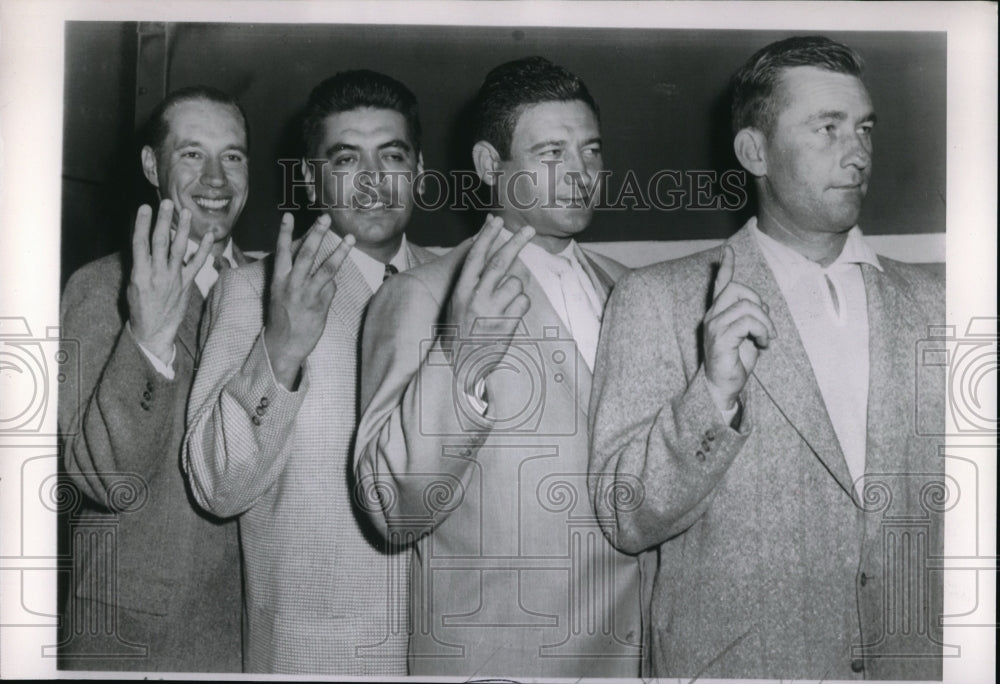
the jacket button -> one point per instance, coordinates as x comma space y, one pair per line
149, 385
147, 395
261, 410
144, 405
255, 420
700, 455
857, 665
864, 579
264, 402
709, 435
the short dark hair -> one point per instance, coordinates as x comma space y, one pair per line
155, 131
349, 90
754, 85
511, 87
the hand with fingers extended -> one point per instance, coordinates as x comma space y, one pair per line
160, 282
486, 296
301, 293
737, 327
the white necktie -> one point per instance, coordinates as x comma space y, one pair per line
583, 321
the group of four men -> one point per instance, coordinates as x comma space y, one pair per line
511, 459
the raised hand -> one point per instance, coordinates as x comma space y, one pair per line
737, 327
160, 282
486, 291
300, 298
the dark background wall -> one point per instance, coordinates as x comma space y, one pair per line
662, 95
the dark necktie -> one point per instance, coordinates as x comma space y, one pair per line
390, 271
221, 264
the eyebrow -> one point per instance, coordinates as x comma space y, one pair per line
838, 115
181, 144
561, 143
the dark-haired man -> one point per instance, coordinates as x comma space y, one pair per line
793, 505
273, 409
476, 431
164, 595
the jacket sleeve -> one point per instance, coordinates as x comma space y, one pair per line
412, 450
659, 445
116, 413
239, 417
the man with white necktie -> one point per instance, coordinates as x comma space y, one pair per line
475, 385
165, 594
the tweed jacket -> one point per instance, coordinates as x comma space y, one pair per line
511, 574
172, 568
770, 564
322, 594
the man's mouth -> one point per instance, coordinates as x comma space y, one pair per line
213, 204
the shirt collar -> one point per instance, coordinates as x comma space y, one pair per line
536, 257
856, 250
373, 270
227, 253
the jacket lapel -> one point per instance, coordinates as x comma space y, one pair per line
888, 375
783, 369
353, 292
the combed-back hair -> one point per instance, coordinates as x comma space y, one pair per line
155, 131
755, 85
349, 90
511, 87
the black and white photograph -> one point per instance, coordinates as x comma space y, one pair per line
498, 341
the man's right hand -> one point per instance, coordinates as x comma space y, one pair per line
737, 327
486, 291
159, 284
300, 300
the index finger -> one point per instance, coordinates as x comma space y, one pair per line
331, 265
726, 268
476, 257
140, 237
504, 257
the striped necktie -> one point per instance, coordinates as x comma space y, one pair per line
390, 271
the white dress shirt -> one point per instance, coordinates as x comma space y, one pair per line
371, 269
571, 293
830, 310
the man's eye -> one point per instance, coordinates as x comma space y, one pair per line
191, 154
343, 161
552, 153
592, 151
234, 158
395, 157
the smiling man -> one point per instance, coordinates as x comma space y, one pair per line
274, 406
475, 432
170, 601
795, 509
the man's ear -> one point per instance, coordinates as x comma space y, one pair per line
750, 151
487, 161
148, 157
307, 174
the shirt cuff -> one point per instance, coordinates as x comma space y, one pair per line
477, 400
164, 369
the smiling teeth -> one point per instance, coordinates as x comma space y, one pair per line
215, 204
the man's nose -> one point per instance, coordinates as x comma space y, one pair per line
577, 171
213, 173
859, 151
371, 172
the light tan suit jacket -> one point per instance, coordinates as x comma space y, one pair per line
511, 574
322, 593
770, 565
